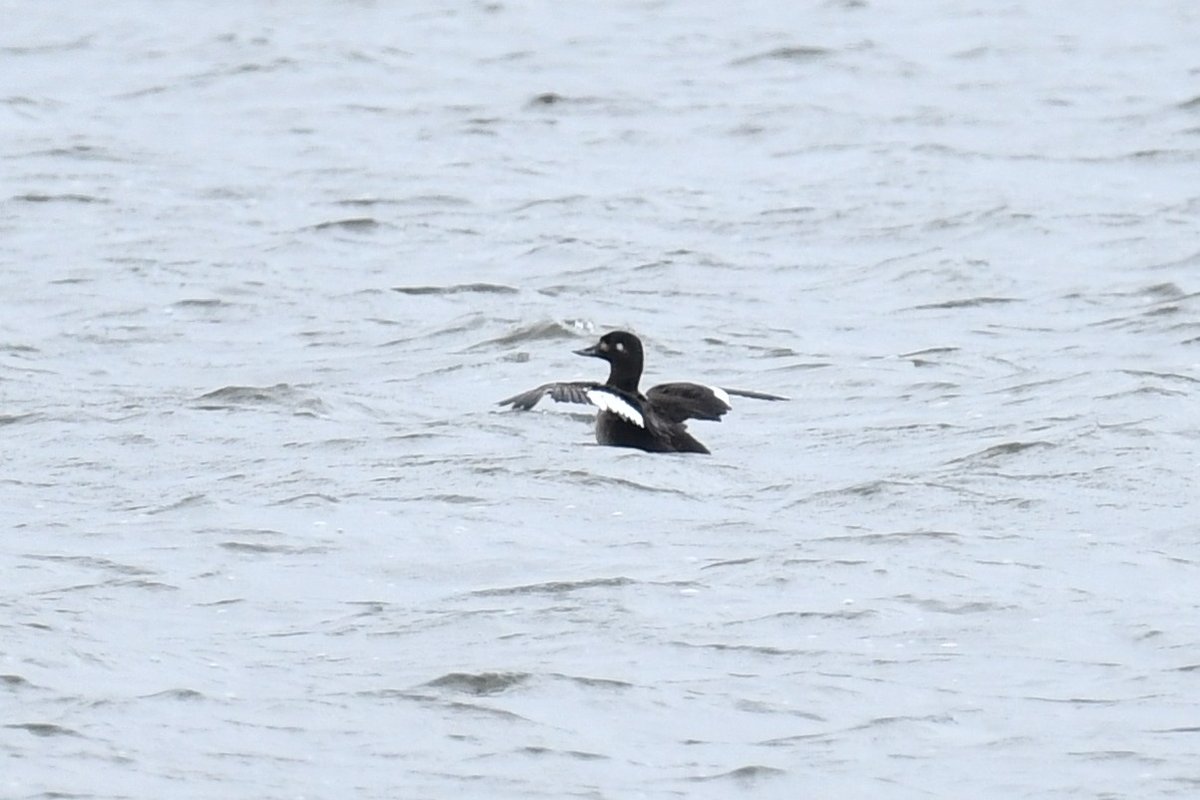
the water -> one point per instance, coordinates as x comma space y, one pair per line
266, 534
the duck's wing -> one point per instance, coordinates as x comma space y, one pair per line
629, 407
681, 401
754, 395
562, 392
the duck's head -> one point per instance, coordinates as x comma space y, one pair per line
623, 352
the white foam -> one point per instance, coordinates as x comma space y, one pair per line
607, 401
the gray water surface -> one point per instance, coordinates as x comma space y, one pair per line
267, 267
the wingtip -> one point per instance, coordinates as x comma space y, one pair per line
515, 402
755, 395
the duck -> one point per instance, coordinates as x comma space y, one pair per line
654, 421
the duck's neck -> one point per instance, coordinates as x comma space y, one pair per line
625, 377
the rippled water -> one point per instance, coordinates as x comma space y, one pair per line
267, 268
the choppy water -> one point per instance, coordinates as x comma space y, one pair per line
266, 267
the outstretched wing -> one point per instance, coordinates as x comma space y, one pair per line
680, 401
575, 392
606, 398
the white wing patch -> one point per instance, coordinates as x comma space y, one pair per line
606, 401
721, 395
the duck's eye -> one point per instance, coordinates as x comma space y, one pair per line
620, 347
